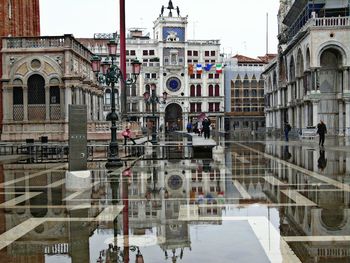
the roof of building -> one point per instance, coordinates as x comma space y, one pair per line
260, 60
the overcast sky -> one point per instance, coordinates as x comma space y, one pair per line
240, 25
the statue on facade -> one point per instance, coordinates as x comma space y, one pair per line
178, 11
162, 10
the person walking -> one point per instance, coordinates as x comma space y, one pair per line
287, 129
189, 127
127, 135
206, 127
321, 130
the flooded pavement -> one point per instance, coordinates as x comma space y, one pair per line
258, 201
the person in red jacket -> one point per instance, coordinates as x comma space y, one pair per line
127, 135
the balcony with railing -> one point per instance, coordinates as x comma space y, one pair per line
47, 42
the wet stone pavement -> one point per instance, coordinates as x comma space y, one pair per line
259, 201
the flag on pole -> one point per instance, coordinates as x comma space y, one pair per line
199, 68
208, 67
218, 68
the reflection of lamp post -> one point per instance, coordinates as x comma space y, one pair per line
153, 99
114, 253
110, 75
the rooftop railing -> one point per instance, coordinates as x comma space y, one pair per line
47, 42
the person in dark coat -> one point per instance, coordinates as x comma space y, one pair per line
321, 130
287, 129
206, 128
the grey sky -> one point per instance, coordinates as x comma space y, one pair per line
239, 24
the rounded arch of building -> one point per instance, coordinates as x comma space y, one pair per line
300, 63
173, 115
335, 46
291, 68
58, 73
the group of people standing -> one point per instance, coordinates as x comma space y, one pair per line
200, 127
321, 131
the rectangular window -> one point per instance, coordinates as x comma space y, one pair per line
193, 107
199, 106
154, 75
151, 52
195, 53
217, 76
147, 75
145, 52
132, 52
211, 106
198, 76
189, 52
217, 106
127, 52
210, 76
212, 53
192, 76
206, 53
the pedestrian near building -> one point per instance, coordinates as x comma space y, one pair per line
189, 127
321, 130
127, 135
206, 128
287, 129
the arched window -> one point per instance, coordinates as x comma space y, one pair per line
211, 90
199, 90
217, 90
36, 90
108, 97
192, 91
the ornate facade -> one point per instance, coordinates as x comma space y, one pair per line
189, 71
41, 77
309, 81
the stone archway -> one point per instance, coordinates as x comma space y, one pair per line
173, 117
330, 84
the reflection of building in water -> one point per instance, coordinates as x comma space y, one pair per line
330, 216
172, 194
38, 191
247, 173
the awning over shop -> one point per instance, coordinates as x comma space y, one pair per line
294, 12
336, 4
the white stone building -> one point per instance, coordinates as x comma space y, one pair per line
309, 80
41, 77
170, 63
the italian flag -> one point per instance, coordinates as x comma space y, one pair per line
199, 68
218, 68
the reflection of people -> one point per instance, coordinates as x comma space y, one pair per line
322, 161
287, 129
189, 127
287, 155
321, 130
206, 127
127, 135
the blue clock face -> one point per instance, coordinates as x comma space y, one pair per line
173, 84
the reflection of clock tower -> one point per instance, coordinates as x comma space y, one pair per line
170, 32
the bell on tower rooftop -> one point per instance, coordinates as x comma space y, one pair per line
170, 5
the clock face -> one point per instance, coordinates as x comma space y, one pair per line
175, 182
173, 84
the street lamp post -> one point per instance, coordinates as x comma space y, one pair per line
110, 75
153, 99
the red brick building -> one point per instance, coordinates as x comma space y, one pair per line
17, 18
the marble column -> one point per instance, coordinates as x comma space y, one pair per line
315, 118
68, 101
341, 118
47, 102
346, 79
62, 102
25, 103
306, 115
298, 118
347, 117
